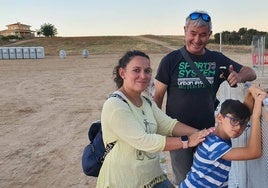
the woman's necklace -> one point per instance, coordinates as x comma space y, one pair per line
143, 113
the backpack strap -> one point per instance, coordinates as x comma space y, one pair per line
120, 95
110, 146
148, 100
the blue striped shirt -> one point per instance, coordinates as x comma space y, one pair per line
209, 169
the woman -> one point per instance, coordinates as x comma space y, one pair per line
141, 130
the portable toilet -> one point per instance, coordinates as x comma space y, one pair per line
1, 55
32, 52
5, 53
85, 53
40, 52
62, 54
12, 53
19, 53
26, 52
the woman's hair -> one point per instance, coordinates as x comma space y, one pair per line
198, 22
122, 63
236, 108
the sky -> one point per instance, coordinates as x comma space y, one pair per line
132, 17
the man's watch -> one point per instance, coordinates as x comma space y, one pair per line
184, 140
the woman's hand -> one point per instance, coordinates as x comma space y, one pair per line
200, 136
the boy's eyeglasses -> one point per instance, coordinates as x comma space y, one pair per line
196, 15
235, 122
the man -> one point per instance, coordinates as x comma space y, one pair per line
188, 98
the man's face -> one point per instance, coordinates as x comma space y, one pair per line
196, 38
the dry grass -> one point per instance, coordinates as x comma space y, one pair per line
116, 44
95, 45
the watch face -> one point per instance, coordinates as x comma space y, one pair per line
184, 138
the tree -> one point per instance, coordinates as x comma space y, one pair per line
243, 36
48, 30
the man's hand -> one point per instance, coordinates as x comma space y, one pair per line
233, 77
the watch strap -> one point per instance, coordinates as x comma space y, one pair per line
184, 140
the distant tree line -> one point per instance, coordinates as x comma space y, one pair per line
11, 37
244, 36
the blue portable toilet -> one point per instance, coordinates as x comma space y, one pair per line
19, 53
5, 52
12, 52
40, 52
1, 55
26, 52
32, 52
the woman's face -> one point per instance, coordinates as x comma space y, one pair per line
137, 74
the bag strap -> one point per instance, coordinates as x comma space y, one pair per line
148, 100
110, 146
194, 67
118, 96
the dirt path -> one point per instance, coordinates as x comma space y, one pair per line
164, 44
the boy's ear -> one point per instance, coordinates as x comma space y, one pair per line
219, 118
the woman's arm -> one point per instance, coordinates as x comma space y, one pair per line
194, 136
253, 149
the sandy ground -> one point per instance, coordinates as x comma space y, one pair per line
46, 107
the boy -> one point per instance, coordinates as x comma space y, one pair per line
212, 160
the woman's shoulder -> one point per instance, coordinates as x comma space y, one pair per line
114, 102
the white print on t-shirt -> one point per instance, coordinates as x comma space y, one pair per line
190, 83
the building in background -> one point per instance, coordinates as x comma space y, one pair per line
18, 29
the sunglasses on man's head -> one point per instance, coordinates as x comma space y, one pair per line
197, 15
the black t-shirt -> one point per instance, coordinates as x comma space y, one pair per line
188, 99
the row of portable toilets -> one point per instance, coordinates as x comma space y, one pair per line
22, 52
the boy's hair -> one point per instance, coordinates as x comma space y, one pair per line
236, 108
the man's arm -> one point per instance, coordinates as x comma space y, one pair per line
245, 74
160, 90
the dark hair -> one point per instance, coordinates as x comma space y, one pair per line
236, 108
122, 63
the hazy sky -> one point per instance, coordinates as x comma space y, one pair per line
133, 17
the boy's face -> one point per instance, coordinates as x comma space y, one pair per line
232, 126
